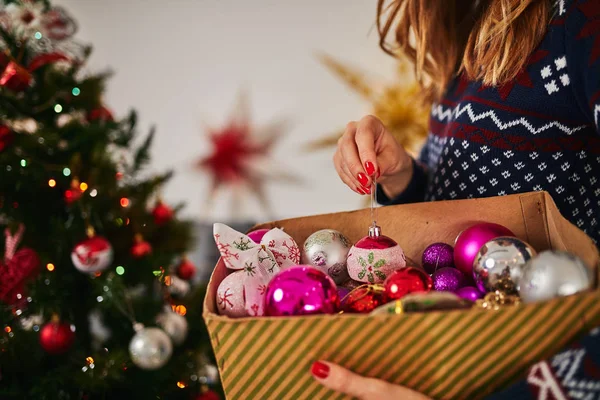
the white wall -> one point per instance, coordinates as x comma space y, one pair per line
182, 62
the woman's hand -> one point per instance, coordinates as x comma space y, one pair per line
341, 380
368, 151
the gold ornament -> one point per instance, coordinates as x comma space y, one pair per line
497, 300
397, 105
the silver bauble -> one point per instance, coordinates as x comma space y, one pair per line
327, 250
553, 274
150, 348
499, 264
175, 325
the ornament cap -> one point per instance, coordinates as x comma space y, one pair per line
90, 231
374, 231
55, 318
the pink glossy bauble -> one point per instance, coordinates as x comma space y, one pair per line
257, 235
471, 240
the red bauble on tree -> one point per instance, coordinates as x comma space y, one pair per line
56, 337
162, 213
406, 280
140, 247
18, 267
100, 114
6, 137
15, 77
186, 270
93, 254
74, 193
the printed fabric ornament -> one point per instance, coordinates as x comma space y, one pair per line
93, 254
373, 258
327, 251
17, 267
258, 262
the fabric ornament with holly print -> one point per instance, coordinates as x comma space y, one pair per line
242, 292
17, 268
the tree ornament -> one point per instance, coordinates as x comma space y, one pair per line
553, 274
470, 293
6, 137
436, 256
364, 299
150, 348
74, 193
499, 264
448, 280
18, 267
496, 300
56, 337
406, 280
257, 235
179, 287
15, 77
231, 295
373, 258
351, 284
162, 213
175, 325
100, 114
207, 394
186, 269
93, 254
424, 302
469, 241
301, 290
327, 250
140, 247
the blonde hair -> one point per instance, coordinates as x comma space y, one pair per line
489, 40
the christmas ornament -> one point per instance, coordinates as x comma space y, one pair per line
469, 293
257, 235
23, 125
58, 25
175, 325
553, 274
497, 300
93, 254
17, 268
499, 264
231, 299
424, 302
15, 77
74, 193
327, 251
207, 395
56, 337
259, 262
364, 299
162, 213
351, 284
100, 114
448, 280
301, 290
373, 258
150, 348
178, 287
6, 137
436, 256
406, 280
471, 240
342, 293
140, 247
28, 323
186, 269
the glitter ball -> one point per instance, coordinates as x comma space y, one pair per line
437, 256
448, 280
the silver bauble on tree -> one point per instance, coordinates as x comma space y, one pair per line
499, 264
175, 325
553, 274
327, 251
150, 348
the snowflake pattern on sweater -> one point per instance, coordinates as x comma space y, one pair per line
536, 132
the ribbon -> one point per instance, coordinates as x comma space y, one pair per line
260, 261
12, 241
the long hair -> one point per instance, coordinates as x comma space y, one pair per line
489, 40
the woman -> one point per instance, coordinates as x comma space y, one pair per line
515, 86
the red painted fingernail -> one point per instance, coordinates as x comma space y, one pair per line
361, 191
362, 178
320, 370
367, 189
370, 168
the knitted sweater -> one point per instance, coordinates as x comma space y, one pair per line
536, 132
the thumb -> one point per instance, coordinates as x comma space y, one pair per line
344, 381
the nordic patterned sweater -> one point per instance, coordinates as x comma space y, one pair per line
536, 132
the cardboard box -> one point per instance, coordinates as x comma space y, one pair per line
446, 355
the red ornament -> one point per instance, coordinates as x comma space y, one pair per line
15, 77
18, 268
6, 137
100, 114
162, 213
406, 280
140, 248
186, 270
93, 254
56, 337
74, 193
364, 299
208, 395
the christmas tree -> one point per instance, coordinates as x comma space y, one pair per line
95, 299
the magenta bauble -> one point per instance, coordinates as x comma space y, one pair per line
257, 235
469, 293
301, 290
373, 258
471, 240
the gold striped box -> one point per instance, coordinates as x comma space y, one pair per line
446, 355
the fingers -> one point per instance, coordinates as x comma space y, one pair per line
368, 130
345, 175
348, 162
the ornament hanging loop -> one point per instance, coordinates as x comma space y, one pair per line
12, 241
374, 229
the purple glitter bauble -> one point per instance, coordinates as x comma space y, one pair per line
437, 256
342, 293
301, 290
448, 280
469, 293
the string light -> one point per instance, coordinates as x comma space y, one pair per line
124, 202
75, 91
89, 360
168, 280
7, 329
127, 221
119, 222
83, 186
93, 193
58, 108
181, 385
51, 183
50, 267
181, 310
38, 35
66, 171
120, 270
23, 163
119, 175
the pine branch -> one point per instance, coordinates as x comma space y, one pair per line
142, 155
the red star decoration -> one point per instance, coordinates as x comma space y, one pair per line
591, 10
522, 78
